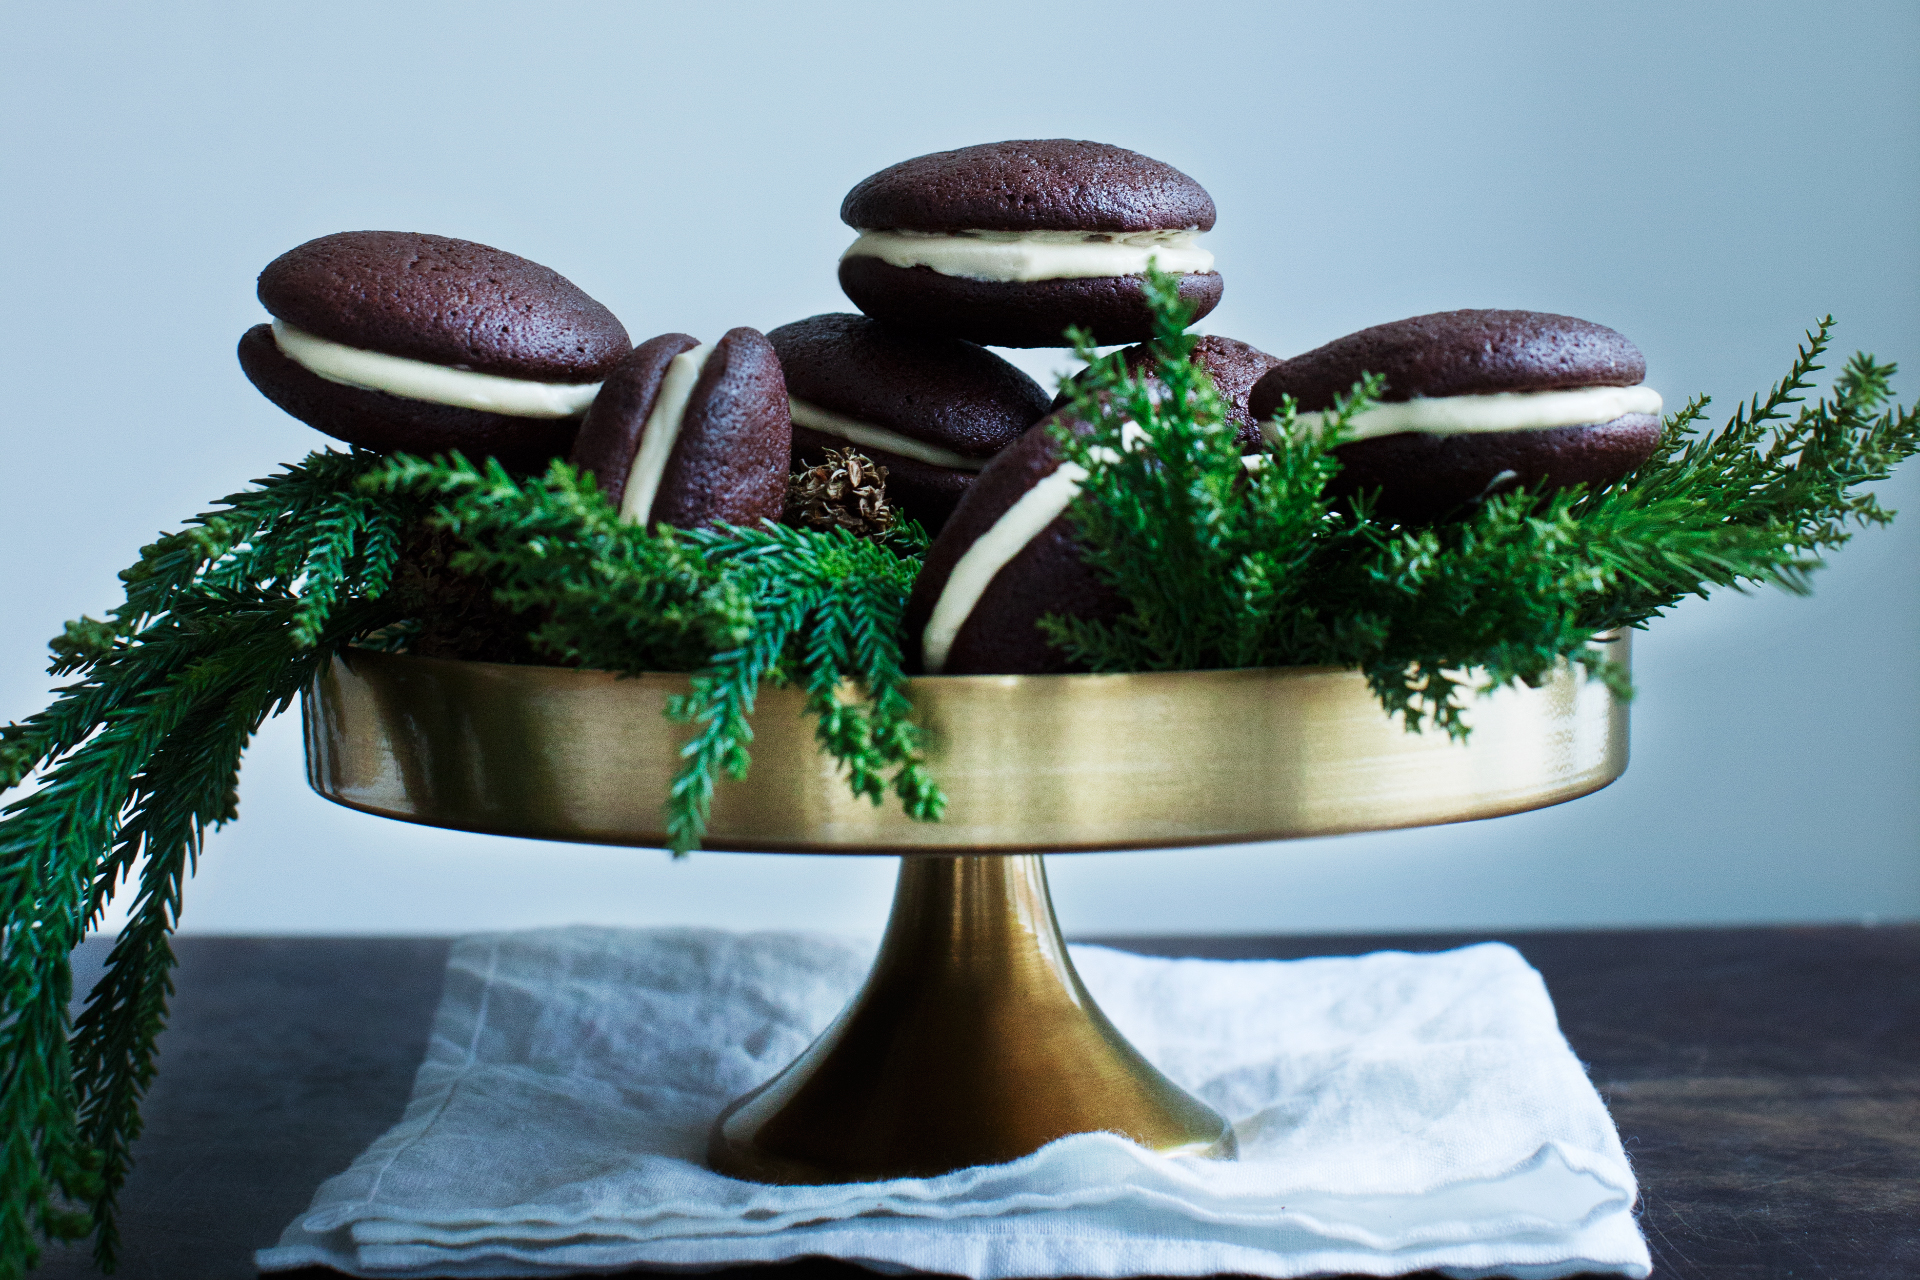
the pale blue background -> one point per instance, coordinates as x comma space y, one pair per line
1707, 178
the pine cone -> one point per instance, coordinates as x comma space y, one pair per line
848, 491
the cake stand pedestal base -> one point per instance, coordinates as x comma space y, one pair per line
972, 1042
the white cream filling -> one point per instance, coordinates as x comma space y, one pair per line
1020, 524
827, 422
1500, 411
433, 383
1008, 257
661, 433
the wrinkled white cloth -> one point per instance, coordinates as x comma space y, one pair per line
1395, 1113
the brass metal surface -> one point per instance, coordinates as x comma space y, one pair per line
1028, 763
972, 1042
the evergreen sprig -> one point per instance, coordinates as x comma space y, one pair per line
1226, 564
732, 606
827, 607
222, 625
225, 622
595, 592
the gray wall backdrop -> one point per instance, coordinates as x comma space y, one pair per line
1706, 177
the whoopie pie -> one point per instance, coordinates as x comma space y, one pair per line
1009, 243
1007, 559
1234, 367
396, 340
689, 433
931, 410
1476, 403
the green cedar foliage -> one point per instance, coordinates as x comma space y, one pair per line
1226, 566
733, 606
221, 627
827, 609
225, 623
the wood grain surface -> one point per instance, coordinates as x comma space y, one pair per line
1766, 1082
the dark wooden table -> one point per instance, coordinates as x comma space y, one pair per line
1766, 1081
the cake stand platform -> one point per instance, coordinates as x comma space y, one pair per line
973, 1040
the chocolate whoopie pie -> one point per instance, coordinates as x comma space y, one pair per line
1006, 559
931, 410
1009, 243
691, 434
1234, 367
395, 340
1476, 403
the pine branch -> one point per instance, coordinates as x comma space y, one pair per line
1222, 570
827, 604
255, 665
732, 607
615, 597
138, 759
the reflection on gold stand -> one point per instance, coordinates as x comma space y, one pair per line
973, 1040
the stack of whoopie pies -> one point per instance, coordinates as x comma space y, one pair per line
1004, 245
401, 341
1008, 244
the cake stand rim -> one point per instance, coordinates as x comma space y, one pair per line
817, 839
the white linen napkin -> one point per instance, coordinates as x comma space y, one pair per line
1395, 1113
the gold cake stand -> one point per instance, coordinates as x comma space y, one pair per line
973, 1040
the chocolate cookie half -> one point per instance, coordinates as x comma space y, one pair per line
931, 410
1234, 367
1009, 243
1006, 559
691, 434
396, 340
1476, 403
